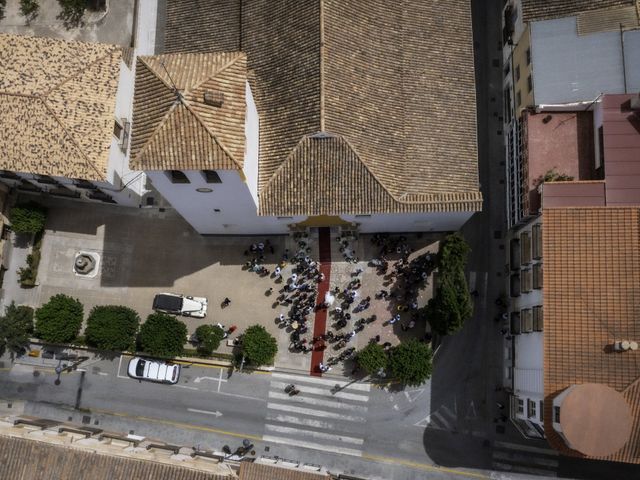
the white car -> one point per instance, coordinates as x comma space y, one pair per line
180, 305
153, 371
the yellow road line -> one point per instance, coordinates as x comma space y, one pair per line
423, 466
178, 424
222, 367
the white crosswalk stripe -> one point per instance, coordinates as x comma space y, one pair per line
513, 457
319, 417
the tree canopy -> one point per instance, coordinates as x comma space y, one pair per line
28, 218
163, 335
411, 362
59, 320
372, 358
16, 325
451, 304
112, 327
209, 338
259, 346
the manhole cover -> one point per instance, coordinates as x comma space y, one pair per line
86, 419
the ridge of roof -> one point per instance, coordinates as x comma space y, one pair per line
536, 10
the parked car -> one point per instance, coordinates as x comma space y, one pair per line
153, 370
180, 305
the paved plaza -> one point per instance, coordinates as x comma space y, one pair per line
145, 252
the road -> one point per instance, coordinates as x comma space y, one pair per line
359, 428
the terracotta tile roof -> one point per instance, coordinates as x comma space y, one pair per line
533, 10
177, 130
591, 299
57, 102
260, 471
395, 84
23, 459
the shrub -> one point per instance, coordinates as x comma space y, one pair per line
259, 346
3, 4
29, 274
372, 358
59, 320
15, 327
112, 327
209, 338
411, 362
451, 304
28, 218
29, 9
163, 335
71, 12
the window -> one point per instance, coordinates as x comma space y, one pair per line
507, 69
176, 176
527, 320
517, 73
531, 408
525, 248
46, 179
556, 414
284, 218
515, 323
529, 84
541, 411
518, 99
363, 216
538, 319
514, 254
211, 176
537, 276
526, 280
117, 129
85, 184
520, 405
528, 53
514, 285
507, 103
536, 233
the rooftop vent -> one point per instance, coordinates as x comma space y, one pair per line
625, 345
214, 98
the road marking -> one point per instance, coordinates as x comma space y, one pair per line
241, 396
318, 402
424, 466
206, 412
324, 391
412, 395
199, 379
507, 467
307, 422
119, 366
315, 446
364, 387
178, 424
221, 367
104, 374
187, 387
508, 457
312, 433
314, 413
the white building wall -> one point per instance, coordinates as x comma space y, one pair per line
237, 210
252, 136
410, 222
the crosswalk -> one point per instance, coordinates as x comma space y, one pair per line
513, 457
441, 419
319, 417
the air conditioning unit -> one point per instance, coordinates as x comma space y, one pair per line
635, 103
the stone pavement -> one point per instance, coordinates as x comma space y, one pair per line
145, 252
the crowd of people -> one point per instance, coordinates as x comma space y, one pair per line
299, 276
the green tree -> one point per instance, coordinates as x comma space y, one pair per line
259, 346
410, 362
3, 4
15, 328
28, 218
451, 304
29, 9
71, 12
59, 320
372, 358
163, 335
209, 338
112, 327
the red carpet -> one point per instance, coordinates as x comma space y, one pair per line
320, 324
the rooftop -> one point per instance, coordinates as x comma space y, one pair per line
592, 299
176, 126
375, 102
533, 10
57, 106
260, 471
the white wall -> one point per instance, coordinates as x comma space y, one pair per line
410, 222
238, 213
251, 149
